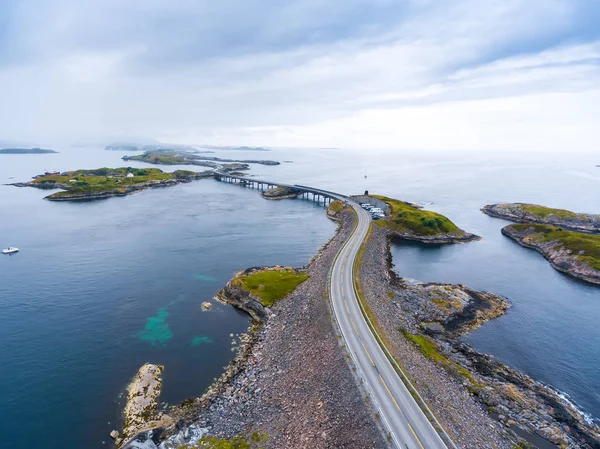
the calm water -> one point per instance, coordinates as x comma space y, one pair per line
100, 288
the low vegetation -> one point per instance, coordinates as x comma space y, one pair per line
542, 211
430, 349
335, 207
253, 441
160, 158
404, 218
80, 182
585, 247
271, 285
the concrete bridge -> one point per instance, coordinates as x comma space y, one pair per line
319, 196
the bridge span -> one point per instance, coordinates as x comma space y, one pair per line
320, 196
405, 422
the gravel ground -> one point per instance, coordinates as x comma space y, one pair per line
297, 386
463, 418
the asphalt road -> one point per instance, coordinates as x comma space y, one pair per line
407, 425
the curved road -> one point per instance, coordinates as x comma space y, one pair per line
408, 426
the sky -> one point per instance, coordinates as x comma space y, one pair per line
507, 75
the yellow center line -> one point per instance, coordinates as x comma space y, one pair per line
389, 392
346, 304
368, 355
343, 296
415, 435
354, 326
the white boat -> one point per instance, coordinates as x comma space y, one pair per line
10, 250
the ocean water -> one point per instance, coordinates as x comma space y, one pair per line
101, 287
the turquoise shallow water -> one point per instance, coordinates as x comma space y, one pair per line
100, 288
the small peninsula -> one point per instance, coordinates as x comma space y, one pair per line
85, 185
172, 157
574, 253
26, 151
408, 222
532, 213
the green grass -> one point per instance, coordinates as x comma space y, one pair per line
270, 285
542, 212
430, 349
335, 207
157, 158
404, 218
253, 441
577, 242
105, 179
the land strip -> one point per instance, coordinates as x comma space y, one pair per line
476, 398
293, 381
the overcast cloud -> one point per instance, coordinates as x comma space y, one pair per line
415, 74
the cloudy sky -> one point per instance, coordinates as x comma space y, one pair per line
398, 74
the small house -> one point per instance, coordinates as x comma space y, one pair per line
130, 175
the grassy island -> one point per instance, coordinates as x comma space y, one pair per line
26, 151
574, 253
107, 182
271, 284
585, 248
407, 221
158, 158
533, 213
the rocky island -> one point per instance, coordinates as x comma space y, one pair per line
574, 253
85, 185
532, 213
172, 157
279, 193
26, 151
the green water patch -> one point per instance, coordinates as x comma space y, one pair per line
157, 331
201, 340
204, 277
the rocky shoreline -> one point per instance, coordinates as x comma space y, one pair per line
479, 401
291, 379
560, 259
525, 213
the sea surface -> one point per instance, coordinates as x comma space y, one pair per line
99, 288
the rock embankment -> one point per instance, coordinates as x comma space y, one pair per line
477, 399
141, 410
291, 380
279, 193
560, 257
532, 213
